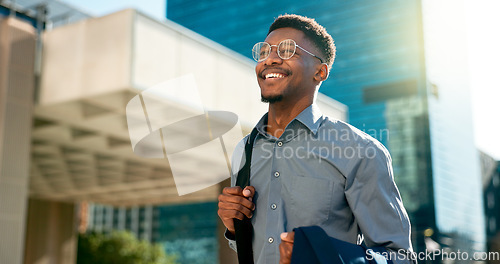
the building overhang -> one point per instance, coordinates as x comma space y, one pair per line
81, 145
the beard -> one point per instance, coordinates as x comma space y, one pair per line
271, 99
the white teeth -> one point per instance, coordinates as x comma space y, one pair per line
274, 75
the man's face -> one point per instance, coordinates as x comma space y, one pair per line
293, 78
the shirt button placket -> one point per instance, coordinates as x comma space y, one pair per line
273, 219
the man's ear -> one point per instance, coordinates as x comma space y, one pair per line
322, 73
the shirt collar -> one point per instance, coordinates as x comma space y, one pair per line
311, 117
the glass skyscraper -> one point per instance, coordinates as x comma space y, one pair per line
380, 73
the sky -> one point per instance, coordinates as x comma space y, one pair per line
483, 54
153, 8
484, 65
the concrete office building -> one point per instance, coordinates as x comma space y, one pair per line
64, 88
402, 71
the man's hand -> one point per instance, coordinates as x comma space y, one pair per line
286, 247
235, 203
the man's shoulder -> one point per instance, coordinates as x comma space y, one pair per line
344, 134
344, 131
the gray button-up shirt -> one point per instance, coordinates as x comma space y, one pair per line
322, 172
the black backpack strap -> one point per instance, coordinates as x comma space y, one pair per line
243, 228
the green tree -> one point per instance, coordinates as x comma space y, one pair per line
119, 247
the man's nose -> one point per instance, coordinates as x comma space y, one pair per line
273, 57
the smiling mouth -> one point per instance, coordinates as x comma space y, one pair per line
275, 75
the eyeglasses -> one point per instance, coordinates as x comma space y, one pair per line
286, 49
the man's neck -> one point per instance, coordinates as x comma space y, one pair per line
282, 113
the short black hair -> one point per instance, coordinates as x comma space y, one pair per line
313, 31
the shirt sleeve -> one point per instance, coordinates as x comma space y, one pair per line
231, 240
376, 203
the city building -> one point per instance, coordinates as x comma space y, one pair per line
189, 230
490, 170
401, 71
66, 80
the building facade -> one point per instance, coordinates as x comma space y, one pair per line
188, 231
490, 170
